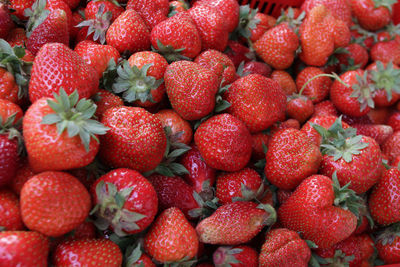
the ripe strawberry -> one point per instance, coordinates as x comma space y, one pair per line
235, 223
283, 195
291, 158
6, 23
23, 248
23, 174
285, 248
181, 130
299, 107
10, 218
17, 37
372, 15
10, 114
238, 256
105, 100
264, 23
136, 139
386, 52
238, 53
318, 210
256, 67
191, 89
128, 33
224, 142
391, 147
125, 201
379, 132
8, 157
171, 237
176, 38
134, 257
384, 201
318, 88
354, 56
54, 203
51, 143
86, 252
285, 81
77, 17
325, 108
260, 142
257, 101
388, 245
290, 123
277, 46
92, 8
340, 8
394, 121
152, 12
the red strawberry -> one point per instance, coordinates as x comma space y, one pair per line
6, 23
23, 248
8, 156
141, 142
54, 203
394, 121
134, 257
224, 142
92, 8
125, 201
171, 237
257, 101
291, 158
371, 15
152, 12
283, 195
256, 67
23, 174
238, 53
191, 89
180, 128
290, 123
386, 52
235, 223
284, 248
238, 256
10, 218
391, 147
388, 245
325, 108
128, 33
379, 132
318, 88
285, 81
105, 100
77, 17
57, 66
255, 23
354, 56
340, 8
299, 107
88, 251
311, 211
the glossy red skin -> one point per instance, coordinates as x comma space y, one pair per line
107, 100
391, 147
237, 52
358, 53
265, 23
174, 192
129, 32
285, 248
143, 198
386, 52
145, 260
169, 117
289, 123
191, 89
369, 17
389, 253
285, 80
257, 101
76, 19
47, 150
256, 67
6, 23
23, 174
258, 140
57, 66
139, 145
53, 5
152, 11
8, 159
179, 31
384, 201
361, 246
325, 108
247, 257
228, 185
283, 195
24, 248
291, 158
92, 8
300, 109
379, 132
157, 71
199, 171
85, 230
340, 8
394, 121
324, 121
224, 142
310, 210
86, 252
318, 89
10, 217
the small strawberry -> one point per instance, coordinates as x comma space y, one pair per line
285, 81
372, 14
391, 147
388, 245
181, 130
315, 82
354, 56
105, 100
325, 108
238, 256
10, 218
256, 67
238, 53
299, 107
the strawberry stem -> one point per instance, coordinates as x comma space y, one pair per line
333, 76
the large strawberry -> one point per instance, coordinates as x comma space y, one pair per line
153, 12
191, 89
237, 256
136, 139
257, 101
57, 66
372, 14
23, 248
318, 210
171, 237
291, 157
54, 203
125, 201
92, 8
10, 219
60, 134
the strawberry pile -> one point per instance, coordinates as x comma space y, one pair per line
166, 133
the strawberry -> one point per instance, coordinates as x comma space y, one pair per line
354, 56
379, 132
384, 200
17, 37
105, 100
299, 107
290, 123
238, 256
125, 201
191, 89
128, 33
171, 238
285, 81
23, 174
152, 12
256, 67
8, 158
291, 157
394, 121
277, 46
391, 147
257, 101
77, 17
180, 128
134, 257
6, 23
140, 79
285, 248
238, 53
10, 218
386, 52
318, 209
340, 8
176, 38
372, 15
54, 203
141, 142
253, 24
244, 185
59, 133
388, 244
96, 55
260, 142
235, 223
283, 195
92, 8
317, 89
88, 251
23, 248
325, 108
224, 142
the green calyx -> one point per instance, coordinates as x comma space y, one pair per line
363, 91
134, 83
289, 18
248, 194
37, 15
206, 200
109, 75
346, 198
169, 53
247, 22
385, 3
75, 117
99, 25
132, 255
271, 219
387, 79
388, 235
225, 256
10, 127
172, 9
111, 212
